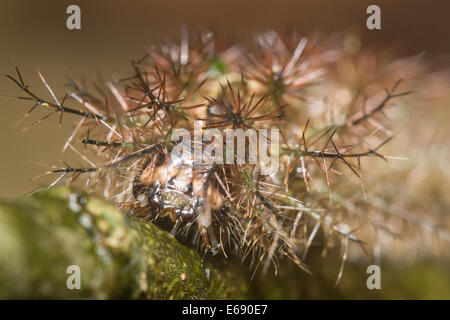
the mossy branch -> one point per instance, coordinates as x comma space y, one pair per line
119, 257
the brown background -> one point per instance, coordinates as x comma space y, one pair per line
113, 32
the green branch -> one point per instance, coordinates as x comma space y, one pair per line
119, 257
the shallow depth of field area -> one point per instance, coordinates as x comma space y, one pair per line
361, 183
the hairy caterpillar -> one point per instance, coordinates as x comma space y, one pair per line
328, 117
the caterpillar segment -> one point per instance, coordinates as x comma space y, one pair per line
172, 187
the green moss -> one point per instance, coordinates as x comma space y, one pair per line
119, 257
124, 257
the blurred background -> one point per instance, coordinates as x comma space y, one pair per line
114, 32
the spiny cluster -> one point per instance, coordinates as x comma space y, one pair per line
329, 101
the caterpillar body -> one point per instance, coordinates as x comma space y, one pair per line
185, 193
327, 103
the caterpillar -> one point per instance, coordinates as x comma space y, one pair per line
328, 123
